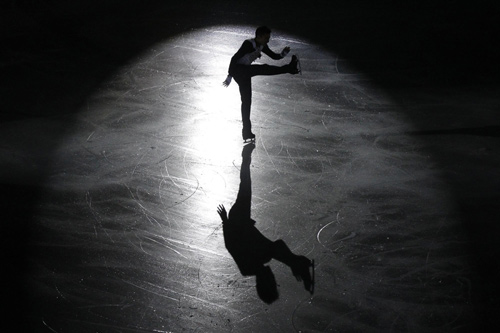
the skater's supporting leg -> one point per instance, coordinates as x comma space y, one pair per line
243, 76
245, 86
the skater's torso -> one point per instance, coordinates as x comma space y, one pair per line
249, 51
250, 57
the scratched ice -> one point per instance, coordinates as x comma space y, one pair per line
132, 197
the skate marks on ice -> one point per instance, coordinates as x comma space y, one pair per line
149, 162
391, 254
391, 251
132, 195
132, 208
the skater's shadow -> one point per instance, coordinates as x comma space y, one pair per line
250, 249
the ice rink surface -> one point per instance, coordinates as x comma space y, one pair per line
380, 162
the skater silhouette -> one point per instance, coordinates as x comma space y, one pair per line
250, 249
242, 70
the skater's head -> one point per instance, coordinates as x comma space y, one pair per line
262, 35
266, 285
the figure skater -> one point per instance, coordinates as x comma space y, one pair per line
242, 70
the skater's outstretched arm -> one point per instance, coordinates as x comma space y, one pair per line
274, 55
285, 51
222, 213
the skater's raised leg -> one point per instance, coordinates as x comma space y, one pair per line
300, 265
269, 70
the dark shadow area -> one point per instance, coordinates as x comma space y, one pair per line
250, 249
490, 131
16, 237
408, 43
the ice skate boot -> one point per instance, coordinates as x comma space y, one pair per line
294, 64
248, 136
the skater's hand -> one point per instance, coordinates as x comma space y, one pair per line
222, 213
227, 81
285, 51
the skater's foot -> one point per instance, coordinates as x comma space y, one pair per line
301, 271
294, 65
248, 136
